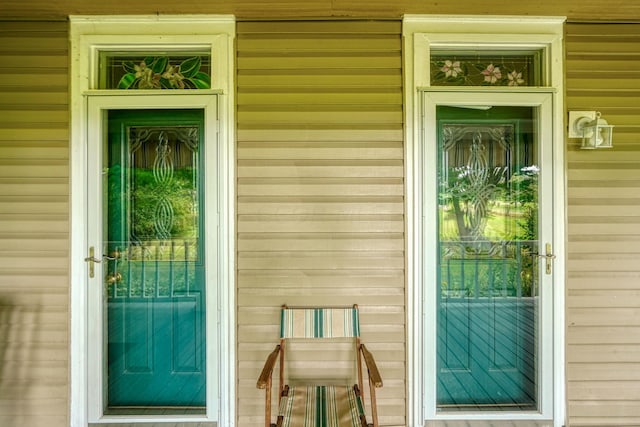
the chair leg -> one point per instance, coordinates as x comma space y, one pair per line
374, 404
267, 404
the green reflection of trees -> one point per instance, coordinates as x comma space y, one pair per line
508, 210
181, 195
488, 251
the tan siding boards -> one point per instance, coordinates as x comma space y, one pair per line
589, 10
320, 189
34, 225
603, 291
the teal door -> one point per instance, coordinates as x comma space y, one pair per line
154, 282
487, 291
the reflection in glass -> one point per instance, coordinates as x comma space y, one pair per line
487, 225
154, 283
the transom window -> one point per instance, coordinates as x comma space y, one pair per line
491, 68
154, 70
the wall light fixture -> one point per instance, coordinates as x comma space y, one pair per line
591, 128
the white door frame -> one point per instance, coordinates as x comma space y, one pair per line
420, 34
88, 104
96, 131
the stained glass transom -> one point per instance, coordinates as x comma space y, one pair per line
450, 68
159, 70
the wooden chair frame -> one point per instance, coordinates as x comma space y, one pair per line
265, 380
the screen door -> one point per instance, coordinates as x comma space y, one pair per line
491, 297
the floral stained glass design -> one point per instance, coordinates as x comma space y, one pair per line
448, 69
132, 71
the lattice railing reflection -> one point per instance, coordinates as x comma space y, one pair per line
488, 268
152, 269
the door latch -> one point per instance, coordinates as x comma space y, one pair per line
548, 258
92, 260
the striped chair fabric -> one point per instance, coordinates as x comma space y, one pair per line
321, 406
319, 323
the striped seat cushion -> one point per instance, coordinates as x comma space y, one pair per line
321, 406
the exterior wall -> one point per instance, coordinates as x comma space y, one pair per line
603, 291
320, 207
590, 10
34, 226
320, 190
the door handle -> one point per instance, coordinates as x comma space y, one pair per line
92, 260
548, 258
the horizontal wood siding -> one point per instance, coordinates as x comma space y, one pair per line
320, 206
613, 10
34, 226
603, 288
320, 190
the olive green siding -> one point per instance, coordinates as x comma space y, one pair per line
34, 225
320, 205
603, 290
320, 189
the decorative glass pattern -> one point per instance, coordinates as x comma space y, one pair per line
473, 186
164, 184
159, 71
494, 69
154, 274
487, 271
485, 175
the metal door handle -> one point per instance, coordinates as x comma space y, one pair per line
548, 257
92, 260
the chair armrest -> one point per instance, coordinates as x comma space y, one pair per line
265, 375
372, 368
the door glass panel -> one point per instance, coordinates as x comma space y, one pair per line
488, 299
154, 283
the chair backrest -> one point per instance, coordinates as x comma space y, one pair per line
320, 345
319, 322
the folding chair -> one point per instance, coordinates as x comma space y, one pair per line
320, 382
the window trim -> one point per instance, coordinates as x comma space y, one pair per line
420, 33
89, 34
